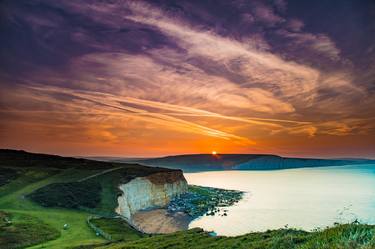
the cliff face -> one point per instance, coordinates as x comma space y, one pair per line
155, 190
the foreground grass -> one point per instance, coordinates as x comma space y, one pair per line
21, 230
351, 236
118, 229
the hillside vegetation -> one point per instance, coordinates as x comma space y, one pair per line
20, 230
56, 191
352, 236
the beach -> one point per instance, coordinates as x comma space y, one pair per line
160, 221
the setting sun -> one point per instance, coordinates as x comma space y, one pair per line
214, 152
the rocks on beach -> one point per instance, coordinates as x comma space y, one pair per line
197, 201
200, 201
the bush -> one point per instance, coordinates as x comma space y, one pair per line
7, 175
68, 195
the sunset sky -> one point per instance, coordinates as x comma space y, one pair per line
138, 78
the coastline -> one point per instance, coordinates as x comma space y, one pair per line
182, 210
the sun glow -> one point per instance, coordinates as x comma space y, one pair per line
214, 153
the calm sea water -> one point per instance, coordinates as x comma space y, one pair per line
301, 198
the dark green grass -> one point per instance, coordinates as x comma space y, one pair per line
20, 230
198, 239
350, 236
25, 178
68, 195
13, 200
7, 175
23, 159
118, 229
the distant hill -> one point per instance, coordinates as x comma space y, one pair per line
207, 162
188, 163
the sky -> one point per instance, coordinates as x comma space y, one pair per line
154, 78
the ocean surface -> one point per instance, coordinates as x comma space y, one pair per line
305, 198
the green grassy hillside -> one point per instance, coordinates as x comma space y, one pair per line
56, 191
13, 201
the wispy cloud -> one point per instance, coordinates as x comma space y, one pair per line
109, 101
266, 14
257, 66
320, 43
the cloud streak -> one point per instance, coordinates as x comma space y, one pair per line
111, 101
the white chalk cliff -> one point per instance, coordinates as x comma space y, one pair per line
151, 191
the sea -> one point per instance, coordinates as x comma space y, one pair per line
305, 198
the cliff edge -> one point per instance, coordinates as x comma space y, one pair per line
152, 191
101, 187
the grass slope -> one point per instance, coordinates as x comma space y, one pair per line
20, 230
352, 236
118, 229
49, 179
14, 201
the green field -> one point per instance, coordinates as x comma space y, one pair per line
33, 214
117, 229
37, 186
20, 230
13, 201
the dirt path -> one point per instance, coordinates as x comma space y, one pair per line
98, 174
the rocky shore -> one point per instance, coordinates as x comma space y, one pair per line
198, 201
182, 209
